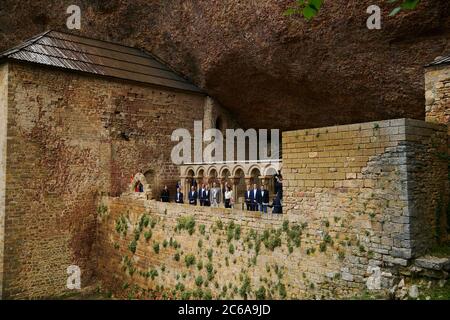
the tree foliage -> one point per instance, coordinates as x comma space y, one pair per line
310, 8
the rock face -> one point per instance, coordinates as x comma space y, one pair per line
267, 69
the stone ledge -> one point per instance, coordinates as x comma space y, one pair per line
433, 263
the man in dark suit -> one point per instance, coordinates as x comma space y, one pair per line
201, 195
263, 199
193, 196
256, 194
207, 197
179, 196
277, 205
165, 194
249, 198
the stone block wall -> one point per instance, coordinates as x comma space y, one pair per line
437, 94
361, 201
72, 137
3, 126
235, 255
384, 183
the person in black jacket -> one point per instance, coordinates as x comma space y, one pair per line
179, 196
255, 195
193, 196
263, 199
201, 195
207, 196
165, 196
249, 198
277, 205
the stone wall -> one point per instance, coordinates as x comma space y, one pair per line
382, 182
3, 129
229, 254
72, 137
361, 201
437, 94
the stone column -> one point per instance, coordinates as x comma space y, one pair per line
235, 185
223, 181
264, 180
187, 186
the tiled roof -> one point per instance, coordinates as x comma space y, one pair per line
439, 61
98, 57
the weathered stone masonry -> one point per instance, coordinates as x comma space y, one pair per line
361, 200
3, 129
72, 137
390, 171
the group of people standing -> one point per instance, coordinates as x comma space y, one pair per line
206, 195
256, 199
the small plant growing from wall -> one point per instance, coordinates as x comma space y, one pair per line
189, 260
282, 290
199, 281
176, 256
132, 246
285, 225
245, 288
294, 234
148, 235
153, 222
137, 234
237, 233
202, 229
210, 254
260, 294
186, 223
156, 247
210, 271
122, 225
102, 211
153, 273
272, 240
231, 248
144, 221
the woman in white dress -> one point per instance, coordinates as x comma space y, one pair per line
229, 197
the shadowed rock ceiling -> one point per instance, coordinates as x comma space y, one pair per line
269, 70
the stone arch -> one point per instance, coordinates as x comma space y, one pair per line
223, 170
212, 171
255, 173
140, 177
240, 184
190, 172
201, 175
200, 171
236, 169
212, 175
269, 170
253, 168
